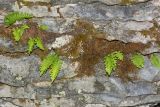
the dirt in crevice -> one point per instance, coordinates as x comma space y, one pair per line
89, 47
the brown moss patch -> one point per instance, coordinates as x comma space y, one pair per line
126, 68
41, 53
5, 31
153, 32
127, 2
88, 49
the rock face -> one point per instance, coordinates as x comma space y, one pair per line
128, 21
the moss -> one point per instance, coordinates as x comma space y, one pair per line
153, 32
126, 68
127, 2
88, 49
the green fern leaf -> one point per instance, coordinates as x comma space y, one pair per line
11, 18
24, 27
39, 43
30, 45
18, 32
138, 60
111, 61
43, 27
155, 60
55, 68
46, 63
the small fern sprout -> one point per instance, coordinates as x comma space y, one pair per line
12, 17
18, 32
39, 43
110, 61
138, 60
51, 61
43, 27
55, 68
35, 41
155, 60
30, 45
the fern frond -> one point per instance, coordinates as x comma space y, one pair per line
30, 45
138, 60
111, 61
46, 63
18, 32
43, 27
11, 18
55, 68
155, 60
24, 27
39, 43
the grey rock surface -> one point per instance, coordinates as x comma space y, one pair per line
20, 81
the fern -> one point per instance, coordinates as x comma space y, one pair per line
35, 41
39, 43
155, 60
111, 61
138, 60
18, 32
30, 45
46, 63
51, 61
55, 68
11, 18
43, 27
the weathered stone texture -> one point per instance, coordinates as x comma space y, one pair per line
22, 86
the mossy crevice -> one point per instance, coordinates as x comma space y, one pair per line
89, 46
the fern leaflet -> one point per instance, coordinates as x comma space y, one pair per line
55, 68
111, 61
155, 60
39, 43
43, 27
18, 32
11, 18
46, 63
138, 60
30, 45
